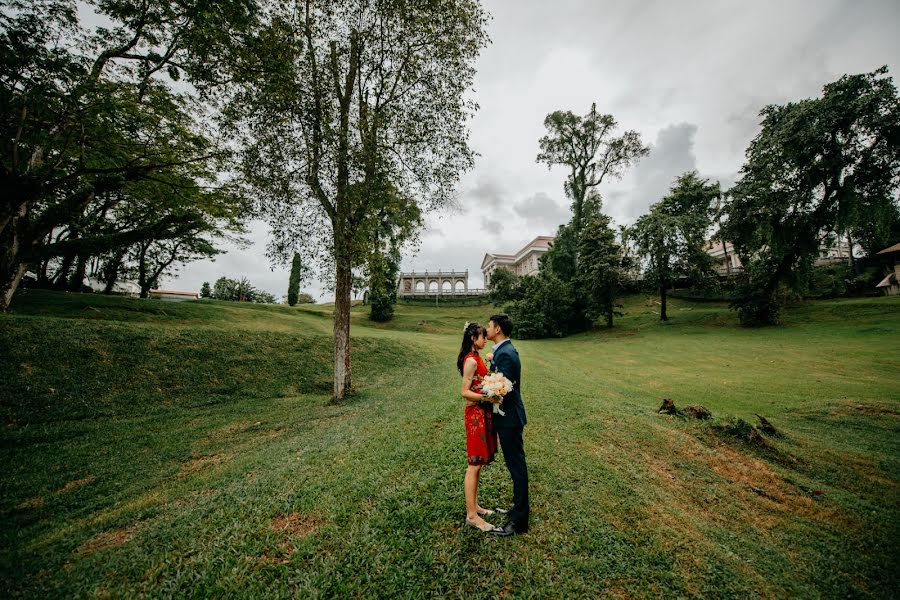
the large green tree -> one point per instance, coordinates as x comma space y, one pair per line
340, 99
588, 147
86, 112
672, 236
817, 166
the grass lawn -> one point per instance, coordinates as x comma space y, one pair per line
163, 449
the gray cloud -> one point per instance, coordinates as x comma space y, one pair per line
491, 226
541, 210
247, 261
487, 193
671, 155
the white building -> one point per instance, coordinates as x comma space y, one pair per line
523, 262
173, 296
727, 261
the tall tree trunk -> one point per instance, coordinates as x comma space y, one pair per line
42, 279
142, 272
9, 284
11, 267
112, 274
77, 279
342, 367
850, 252
662, 302
342, 223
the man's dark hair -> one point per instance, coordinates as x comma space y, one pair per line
502, 321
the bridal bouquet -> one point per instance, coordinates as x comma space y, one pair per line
495, 386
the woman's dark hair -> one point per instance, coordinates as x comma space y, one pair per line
473, 330
502, 321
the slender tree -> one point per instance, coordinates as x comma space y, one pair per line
294, 281
589, 149
672, 236
340, 99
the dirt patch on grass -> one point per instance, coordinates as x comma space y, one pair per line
853, 409
195, 465
36, 502
235, 427
762, 495
106, 539
290, 526
294, 525
77, 484
273, 433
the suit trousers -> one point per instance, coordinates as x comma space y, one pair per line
514, 455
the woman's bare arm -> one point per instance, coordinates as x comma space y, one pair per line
468, 376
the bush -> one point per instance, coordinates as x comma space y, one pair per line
841, 280
382, 306
546, 308
755, 306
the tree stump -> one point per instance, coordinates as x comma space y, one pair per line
698, 412
668, 407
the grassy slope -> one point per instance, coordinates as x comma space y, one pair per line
188, 449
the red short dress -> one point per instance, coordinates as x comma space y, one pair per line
481, 439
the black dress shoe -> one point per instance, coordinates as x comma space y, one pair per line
508, 529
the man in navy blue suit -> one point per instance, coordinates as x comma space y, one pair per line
510, 425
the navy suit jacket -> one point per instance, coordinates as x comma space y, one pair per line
506, 361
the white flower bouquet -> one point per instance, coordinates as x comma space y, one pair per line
495, 386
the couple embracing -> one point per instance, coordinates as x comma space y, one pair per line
484, 424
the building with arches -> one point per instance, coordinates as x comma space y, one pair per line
435, 283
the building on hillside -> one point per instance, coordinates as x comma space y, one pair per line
523, 262
890, 285
173, 296
440, 283
727, 262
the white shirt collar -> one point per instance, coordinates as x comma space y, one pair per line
496, 346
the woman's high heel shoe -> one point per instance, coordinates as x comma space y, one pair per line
485, 528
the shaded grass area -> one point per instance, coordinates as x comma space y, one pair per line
209, 313
271, 491
83, 369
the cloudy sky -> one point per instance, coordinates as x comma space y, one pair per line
689, 76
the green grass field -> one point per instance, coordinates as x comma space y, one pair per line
189, 450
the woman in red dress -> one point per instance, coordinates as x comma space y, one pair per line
481, 439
